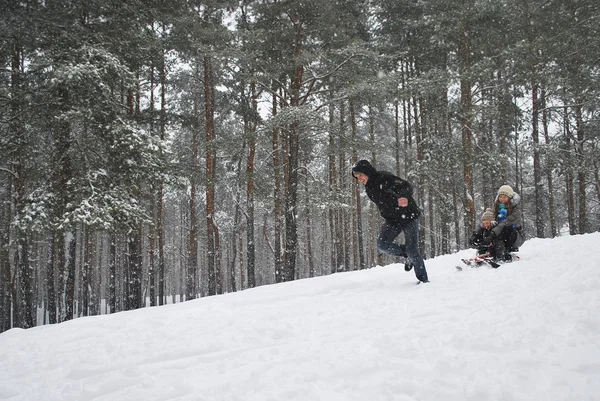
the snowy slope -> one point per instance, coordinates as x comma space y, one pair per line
527, 331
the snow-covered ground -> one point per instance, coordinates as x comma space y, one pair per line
528, 331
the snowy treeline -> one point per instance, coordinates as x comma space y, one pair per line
152, 153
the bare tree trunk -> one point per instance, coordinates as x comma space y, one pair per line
152, 251
374, 213
25, 304
112, 269
549, 167
456, 217
407, 120
152, 230
464, 54
278, 195
22, 300
569, 175
134, 268
86, 279
5, 267
211, 166
308, 213
333, 192
596, 176
432, 239
69, 311
291, 224
218, 257
581, 169
98, 272
191, 273
420, 129
517, 164
398, 139
537, 169
356, 189
160, 193
251, 250
343, 216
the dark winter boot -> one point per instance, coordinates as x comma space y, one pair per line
499, 250
408, 266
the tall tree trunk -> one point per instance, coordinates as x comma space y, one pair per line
134, 265
293, 143
432, 239
112, 271
5, 268
407, 120
86, 279
343, 223
278, 194
24, 304
537, 169
237, 216
581, 169
160, 193
569, 174
397, 137
191, 274
211, 175
420, 129
307, 214
291, 224
373, 211
333, 191
596, 176
464, 55
151, 237
549, 167
152, 230
503, 131
251, 250
98, 272
356, 189
69, 274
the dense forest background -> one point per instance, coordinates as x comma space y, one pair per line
155, 152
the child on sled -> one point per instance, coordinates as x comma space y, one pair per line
482, 237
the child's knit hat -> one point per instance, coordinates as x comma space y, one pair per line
488, 215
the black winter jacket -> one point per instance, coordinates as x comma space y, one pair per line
384, 189
481, 238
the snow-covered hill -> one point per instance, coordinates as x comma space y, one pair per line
528, 331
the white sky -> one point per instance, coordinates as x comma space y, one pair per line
528, 331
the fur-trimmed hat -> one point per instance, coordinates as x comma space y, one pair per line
363, 166
506, 190
488, 215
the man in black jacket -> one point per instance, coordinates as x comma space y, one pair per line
393, 197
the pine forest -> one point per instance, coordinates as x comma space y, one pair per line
154, 152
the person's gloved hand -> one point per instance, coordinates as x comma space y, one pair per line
502, 212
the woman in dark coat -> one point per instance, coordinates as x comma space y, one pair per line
393, 197
507, 235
